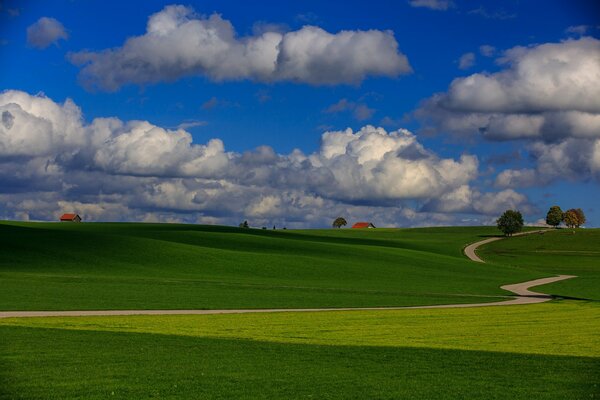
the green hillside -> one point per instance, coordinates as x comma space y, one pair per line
542, 351
561, 251
52, 266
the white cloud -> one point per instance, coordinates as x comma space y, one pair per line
467, 200
36, 125
548, 77
45, 32
570, 159
466, 61
113, 169
440, 5
178, 42
546, 94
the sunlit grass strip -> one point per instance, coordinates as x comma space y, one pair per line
558, 328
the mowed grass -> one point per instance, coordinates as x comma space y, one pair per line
561, 251
52, 266
542, 351
546, 351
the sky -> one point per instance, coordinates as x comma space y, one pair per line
402, 113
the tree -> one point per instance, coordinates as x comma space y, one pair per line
571, 218
510, 222
339, 222
580, 217
554, 216
244, 225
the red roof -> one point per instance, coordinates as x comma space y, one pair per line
68, 217
362, 225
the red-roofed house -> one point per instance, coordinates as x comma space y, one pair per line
363, 225
70, 218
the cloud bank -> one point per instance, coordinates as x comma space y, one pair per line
51, 161
178, 42
546, 95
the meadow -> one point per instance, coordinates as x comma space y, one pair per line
56, 266
577, 251
542, 351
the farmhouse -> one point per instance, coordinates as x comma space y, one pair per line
70, 218
363, 225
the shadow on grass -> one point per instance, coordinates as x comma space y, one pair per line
56, 363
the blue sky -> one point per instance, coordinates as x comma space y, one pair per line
288, 114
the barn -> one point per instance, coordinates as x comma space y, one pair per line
363, 225
70, 218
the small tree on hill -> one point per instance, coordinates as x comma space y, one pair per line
339, 222
571, 219
510, 222
554, 216
580, 217
244, 225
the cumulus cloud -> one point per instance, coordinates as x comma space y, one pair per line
466, 61
468, 200
571, 159
52, 161
44, 32
440, 5
547, 95
178, 42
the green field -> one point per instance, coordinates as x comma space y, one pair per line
547, 351
555, 252
152, 266
543, 351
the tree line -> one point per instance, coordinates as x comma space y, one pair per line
572, 218
511, 221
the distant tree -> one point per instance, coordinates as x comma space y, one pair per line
580, 217
244, 225
274, 227
554, 216
571, 218
510, 222
339, 222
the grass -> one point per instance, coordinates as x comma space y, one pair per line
542, 351
547, 351
562, 251
52, 266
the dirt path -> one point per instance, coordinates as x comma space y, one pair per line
470, 249
525, 296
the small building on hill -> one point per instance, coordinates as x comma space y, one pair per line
70, 218
363, 225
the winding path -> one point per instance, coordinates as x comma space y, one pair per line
521, 290
470, 249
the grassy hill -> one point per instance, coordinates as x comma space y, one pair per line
562, 251
543, 351
52, 266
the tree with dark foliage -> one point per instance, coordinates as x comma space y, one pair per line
554, 216
339, 222
510, 222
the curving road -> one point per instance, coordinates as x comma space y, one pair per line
521, 291
470, 249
